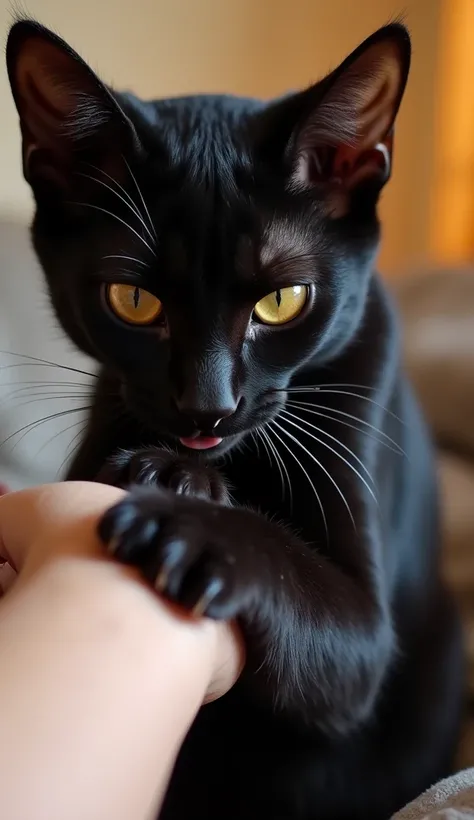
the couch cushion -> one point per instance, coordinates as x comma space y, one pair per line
438, 326
28, 326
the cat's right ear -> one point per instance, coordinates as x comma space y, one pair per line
67, 115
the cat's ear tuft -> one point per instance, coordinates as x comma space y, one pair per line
65, 110
345, 135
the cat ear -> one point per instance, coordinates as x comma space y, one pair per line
66, 113
345, 136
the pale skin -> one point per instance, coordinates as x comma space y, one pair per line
100, 679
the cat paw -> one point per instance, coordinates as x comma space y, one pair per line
191, 551
152, 466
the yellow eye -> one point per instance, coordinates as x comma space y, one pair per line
133, 305
282, 305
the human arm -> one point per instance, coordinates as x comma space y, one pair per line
91, 723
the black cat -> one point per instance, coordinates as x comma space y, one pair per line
216, 256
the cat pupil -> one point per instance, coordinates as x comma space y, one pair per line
278, 297
136, 297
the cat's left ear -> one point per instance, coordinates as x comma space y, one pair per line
67, 114
345, 135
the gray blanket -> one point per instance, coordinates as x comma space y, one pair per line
450, 799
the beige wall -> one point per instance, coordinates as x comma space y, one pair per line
262, 47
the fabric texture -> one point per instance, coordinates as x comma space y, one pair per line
451, 799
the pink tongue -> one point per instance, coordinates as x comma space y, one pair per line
201, 442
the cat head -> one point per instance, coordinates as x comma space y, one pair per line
206, 249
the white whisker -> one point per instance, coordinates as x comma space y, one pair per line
333, 438
132, 207
331, 449
274, 452
259, 436
280, 458
332, 384
41, 362
324, 390
323, 468
45, 383
269, 451
116, 182
129, 198
254, 438
33, 424
114, 216
47, 397
396, 447
281, 467
274, 424
141, 197
299, 406
70, 450
41, 390
127, 258
59, 433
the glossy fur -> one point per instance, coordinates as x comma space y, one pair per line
327, 553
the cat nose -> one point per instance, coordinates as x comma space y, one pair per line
202, 388
206, 420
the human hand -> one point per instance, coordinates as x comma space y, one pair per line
45, 523
42, 525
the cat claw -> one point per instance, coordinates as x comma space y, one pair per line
200, 607
161, 581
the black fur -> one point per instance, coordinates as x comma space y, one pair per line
350, 700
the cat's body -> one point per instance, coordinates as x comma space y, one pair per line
159, 248
241, 761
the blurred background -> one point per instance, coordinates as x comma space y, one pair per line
264, 48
